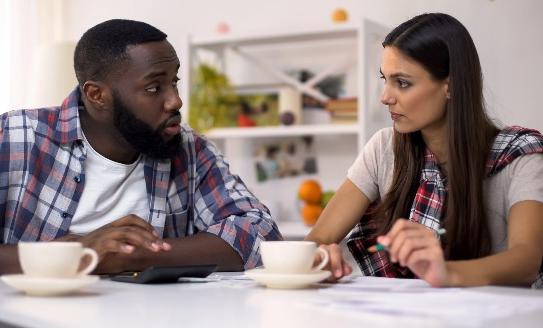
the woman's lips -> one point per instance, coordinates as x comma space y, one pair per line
395, 116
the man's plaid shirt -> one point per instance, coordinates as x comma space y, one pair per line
42, 177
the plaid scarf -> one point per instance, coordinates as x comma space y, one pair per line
428, 205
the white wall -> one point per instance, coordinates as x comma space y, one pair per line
506, 32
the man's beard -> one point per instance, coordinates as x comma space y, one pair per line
140, 135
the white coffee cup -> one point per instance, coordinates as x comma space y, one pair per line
55, 259
291, 256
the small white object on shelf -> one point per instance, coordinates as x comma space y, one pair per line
290, 100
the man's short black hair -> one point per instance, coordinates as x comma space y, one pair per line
103, 47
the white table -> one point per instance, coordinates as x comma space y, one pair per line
225, 303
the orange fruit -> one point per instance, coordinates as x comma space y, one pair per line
339, 15
310, 213
310, 191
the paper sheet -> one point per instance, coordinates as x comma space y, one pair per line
415, 299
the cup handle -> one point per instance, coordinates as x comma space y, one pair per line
93, 263
324, 261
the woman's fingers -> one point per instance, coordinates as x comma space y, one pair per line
337, 264
398, 226
336, 260
410, 245
399, 241
347, 269
429, 264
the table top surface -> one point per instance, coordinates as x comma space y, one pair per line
230, 300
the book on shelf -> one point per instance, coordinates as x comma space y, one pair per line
343, 110
343, 105
343, 120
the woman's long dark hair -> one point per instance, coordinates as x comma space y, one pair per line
443, 46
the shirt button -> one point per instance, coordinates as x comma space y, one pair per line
77, 179
64, 215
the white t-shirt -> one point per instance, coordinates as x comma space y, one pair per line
112, 190
520, 180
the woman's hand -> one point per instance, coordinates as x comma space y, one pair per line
336, 264
417, 247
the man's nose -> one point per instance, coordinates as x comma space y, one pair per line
174, 102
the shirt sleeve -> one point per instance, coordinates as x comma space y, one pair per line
223, 206
364, 172
526, 179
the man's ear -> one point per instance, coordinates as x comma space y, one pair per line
97, 94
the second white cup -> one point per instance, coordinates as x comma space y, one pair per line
294, 257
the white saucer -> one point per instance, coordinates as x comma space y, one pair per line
47, 286
287, 280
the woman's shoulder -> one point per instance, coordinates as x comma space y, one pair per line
382, 139
517, 136
511, 143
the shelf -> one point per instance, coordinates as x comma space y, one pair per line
293, 229
334, 32
283, 131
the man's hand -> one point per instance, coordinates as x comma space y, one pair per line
123, 236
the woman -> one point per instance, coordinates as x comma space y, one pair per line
444, 164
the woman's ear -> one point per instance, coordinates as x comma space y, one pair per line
446, 86
97, 94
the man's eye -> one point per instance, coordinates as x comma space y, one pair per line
153, 89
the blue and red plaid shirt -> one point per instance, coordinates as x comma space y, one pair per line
428, 205
42, 177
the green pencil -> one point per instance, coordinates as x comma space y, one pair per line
378, 247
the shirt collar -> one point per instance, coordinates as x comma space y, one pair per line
431, 169
68, 126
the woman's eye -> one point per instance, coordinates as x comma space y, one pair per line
403, 84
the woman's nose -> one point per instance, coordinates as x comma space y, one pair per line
386, 97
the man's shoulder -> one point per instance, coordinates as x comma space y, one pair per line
27, 118
195, 148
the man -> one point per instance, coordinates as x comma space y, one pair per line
114, 169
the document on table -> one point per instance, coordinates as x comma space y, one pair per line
415, 299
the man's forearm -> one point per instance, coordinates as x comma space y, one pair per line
9, 260
203, 248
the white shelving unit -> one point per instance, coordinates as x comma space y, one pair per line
336, 145
284, 131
